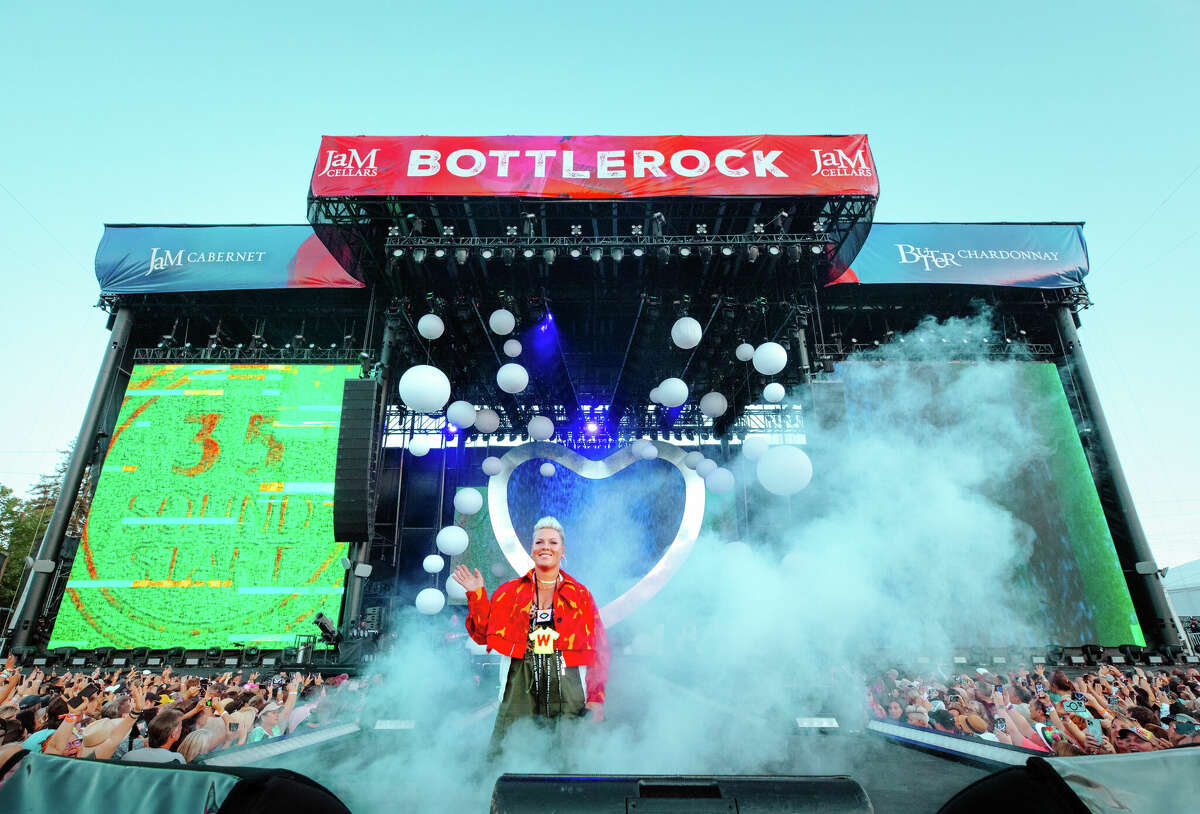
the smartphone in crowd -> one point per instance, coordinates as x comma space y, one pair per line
1164, 710
1001, 724
1094, 729
233, 726
1040, 687
1078, 696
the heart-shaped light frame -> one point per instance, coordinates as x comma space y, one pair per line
658, 576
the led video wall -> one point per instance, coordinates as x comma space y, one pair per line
212, 522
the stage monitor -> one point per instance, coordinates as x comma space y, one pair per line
212, 521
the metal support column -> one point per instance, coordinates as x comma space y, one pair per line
30, 605
1137, 561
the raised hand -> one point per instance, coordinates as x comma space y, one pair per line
469, 581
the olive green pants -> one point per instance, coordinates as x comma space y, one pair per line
566, 696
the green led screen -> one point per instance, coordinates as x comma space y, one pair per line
212, 523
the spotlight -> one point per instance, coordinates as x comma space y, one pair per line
511, 231
393, 231
816, 249
759, 228
507, 256
727, 251
596, 255
593, 427
548, 256
329, 632
448, 231
773, 250
617, 254
418, 255
439, 253
751, 254
638, 252
576, 254
663, 254
794, 253
701, 229
397, 252
527, 254
576, 230
636, 230
460, 256
487, 254
685, 252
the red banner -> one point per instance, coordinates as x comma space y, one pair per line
594, 166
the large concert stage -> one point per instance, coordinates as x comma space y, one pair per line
789, 446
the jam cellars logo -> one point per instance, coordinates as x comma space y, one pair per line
833, 163
350, 163
933, 259
162, 259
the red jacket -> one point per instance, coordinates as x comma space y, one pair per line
503, 625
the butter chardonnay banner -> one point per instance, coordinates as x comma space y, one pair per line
150, 259
1028, 255
212, 523
594, 166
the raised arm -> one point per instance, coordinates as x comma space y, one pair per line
478, 608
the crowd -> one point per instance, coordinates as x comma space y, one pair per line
144, 716
1102, 712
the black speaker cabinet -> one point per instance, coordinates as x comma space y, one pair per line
357, 457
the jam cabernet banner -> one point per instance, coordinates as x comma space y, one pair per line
1027, 255
151, 259
594, 166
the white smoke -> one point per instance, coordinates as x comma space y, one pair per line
896, 547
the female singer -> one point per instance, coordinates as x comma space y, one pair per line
548, 625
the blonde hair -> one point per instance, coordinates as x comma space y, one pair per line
549, 522
197, 743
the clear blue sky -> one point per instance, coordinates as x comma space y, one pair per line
1026, 110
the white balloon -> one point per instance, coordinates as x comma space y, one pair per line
502, 321
713, 404
468, 501
547, 470
686, 333
774, 392
419, 446
655, 396
487, 420
770, 358
461, 414
744, 352
648, 451
431, 326
433, 564
430, 601
719, 480
673, 392
492, 465
754, 446
784, 470
512, 348
693, 459
424, 389
705, 467
500, 569
512, 378
452, 540
540, 428
454, 590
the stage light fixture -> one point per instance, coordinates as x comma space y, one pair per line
751, 254
663, 254
774, 250
461, 255
794, 253
636, 230
393, 231
596, 254
418, 255
439, 253
617, 254
705, 253
447, 231
507, 256
685, 252
511, 231
656, 224
576, 230
727, 251
576, 254
816, 249
593, 427
527, 253
638, 252
397, 252
759, 228
548, 257
487, 254
701, 229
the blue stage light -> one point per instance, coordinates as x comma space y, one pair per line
593, 427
